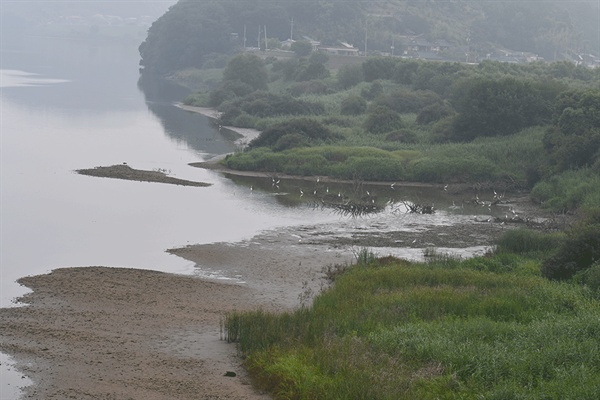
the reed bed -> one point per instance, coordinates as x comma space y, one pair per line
488, 327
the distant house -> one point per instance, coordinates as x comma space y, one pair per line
344, 49
314, 43
423, 45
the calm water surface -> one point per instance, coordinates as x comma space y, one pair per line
68, 105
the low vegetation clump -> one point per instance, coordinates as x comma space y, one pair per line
488, 327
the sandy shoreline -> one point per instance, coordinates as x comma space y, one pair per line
97, 332
246, 134
94, 332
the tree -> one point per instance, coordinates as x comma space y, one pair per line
498, 107
574, 139
353, 105
302, 48
248, 69
349, 75
291, 133
580, 250
379, 68
383, 119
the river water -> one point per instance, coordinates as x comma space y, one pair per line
67, 105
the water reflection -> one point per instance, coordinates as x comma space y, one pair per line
194, 130
309, 192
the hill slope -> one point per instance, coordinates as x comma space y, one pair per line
193, 33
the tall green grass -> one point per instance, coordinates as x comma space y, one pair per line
490, 160
569, 190
400, 330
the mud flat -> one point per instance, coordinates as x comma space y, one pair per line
124, 171
94, 332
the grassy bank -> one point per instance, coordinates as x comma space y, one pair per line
503, 161
489, 327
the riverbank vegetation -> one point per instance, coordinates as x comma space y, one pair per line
512, 127
520, 322
489, 327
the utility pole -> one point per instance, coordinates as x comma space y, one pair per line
292, 30
244, 37
366, 36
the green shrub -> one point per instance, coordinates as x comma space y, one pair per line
433, 113
349, 75
289, 141
311, 130
353, 105
371, 169
453, 169
579, 251
524, 241
228, 91
373, 91
244, 120
383, 119
379, 68
590, 277
569, 190
402, 136
264, 104
408, 101
317, 87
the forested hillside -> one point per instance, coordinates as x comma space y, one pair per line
196, 33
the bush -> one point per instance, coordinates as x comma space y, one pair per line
495, 107
309, 87
407, 101
289, 141
371, 169
309, 129
402, 136
453, 169
433, 113
579, 251
379, 68
306, 71
244, 120
590, 277
525, 241
349, 75
302, 48
263, 104
569, 190
229, 91
353, 105
375, 90
382, 119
